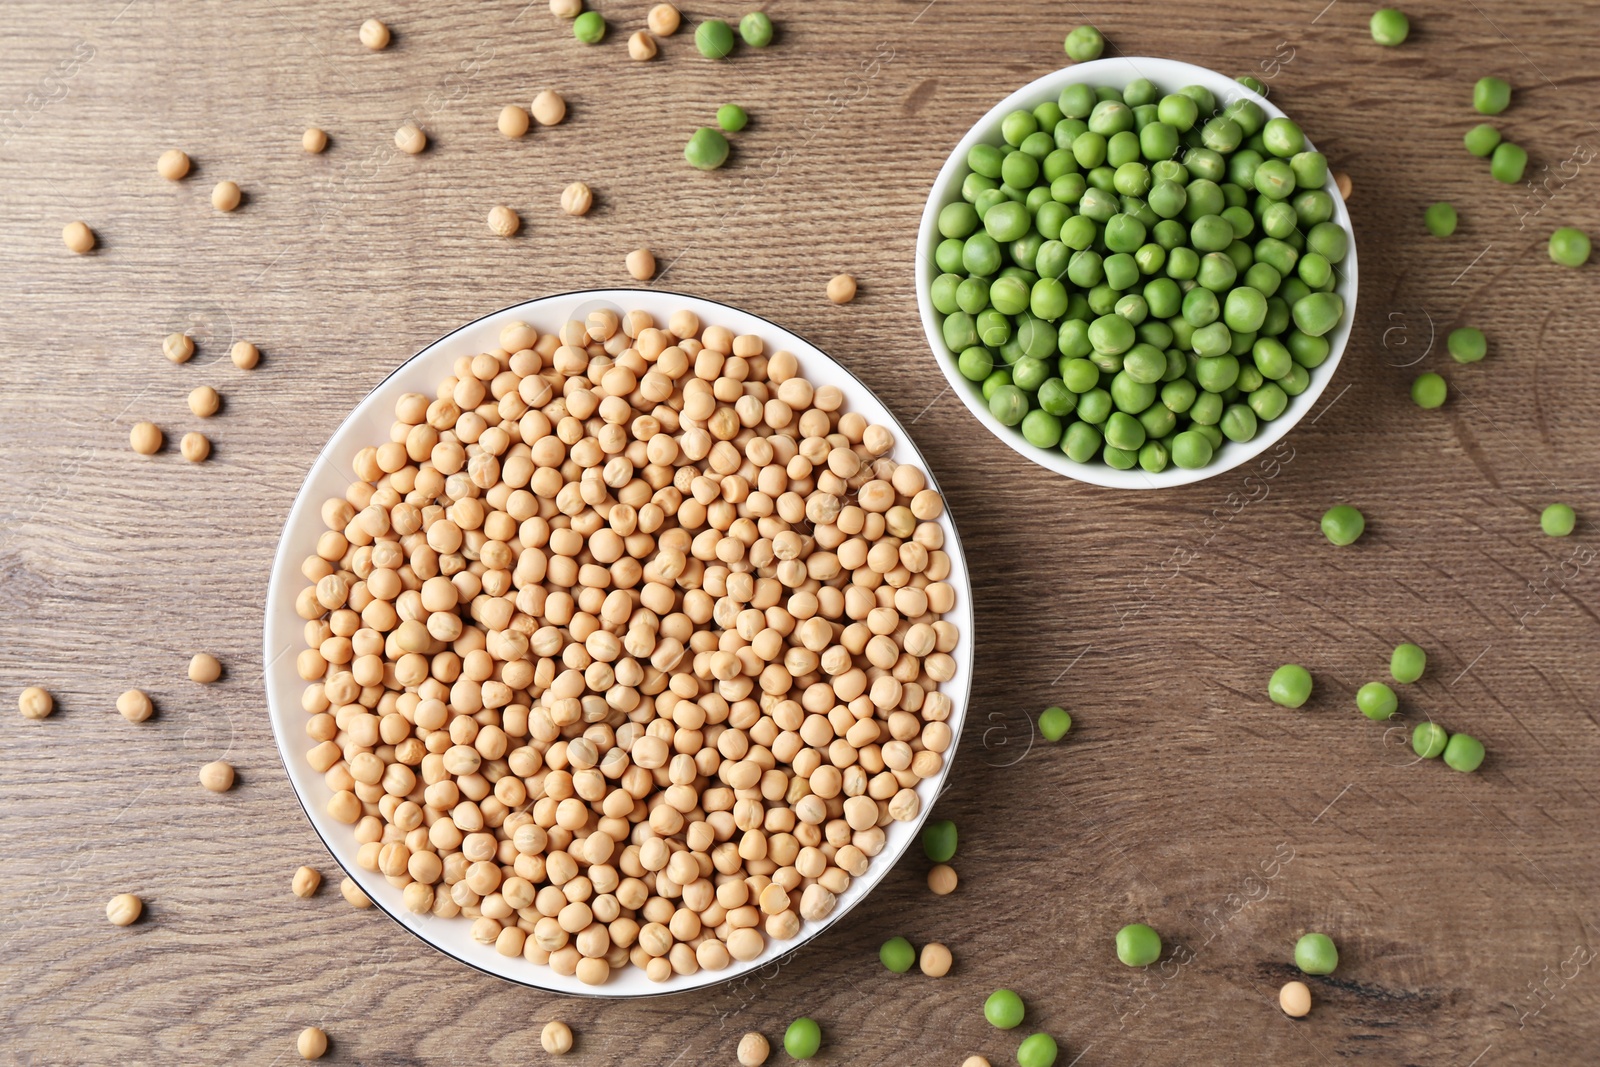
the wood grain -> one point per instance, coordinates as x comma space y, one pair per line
1464, 906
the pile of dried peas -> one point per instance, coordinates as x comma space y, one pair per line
627, 646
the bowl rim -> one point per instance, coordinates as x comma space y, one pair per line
1114, 70
280, 635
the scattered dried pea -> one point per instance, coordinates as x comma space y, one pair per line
549, 108
641, 264
178, 347
663, 21
935, 960
375, 35
975, 1061
577, 199
146, 438
245, 355
1295, 999
306, 882
204, 401
503, 222
173, 164
35, 703
556, 1037
195, 446
353, 894
124, 909
314, 140
312, 1044
225, 196
641, 46
204, 668
217, 776
78, 237
1341, 181
841, 289
566, 9
942, 879
513, 121
410, 139
753, 1047
135, 706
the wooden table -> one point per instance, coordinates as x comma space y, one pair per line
1464, 906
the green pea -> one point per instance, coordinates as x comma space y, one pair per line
1009, 404
985, 159
1072, 341
1238, 422
1558, 520
1429, 391
1316, 954
1055, 398
1124, 431
1290, 685
1329, 239
1040, 429
1310, 169
1037, 1050
947, 256
1318, 313
1482, 140
975, 363
1154, 457
957, 219
1201, 96
1048, 113
1054, 723
1315, 270
1463, 753
1095, 406
972, 295
1390, 27
1221, 134
1407, 663
1377, 701
1018, 126
707, 149
1009, 294
1076, 101
1440, 219
1029, 373
1343, 524
1019, 170
1295, 382
733, 118
980, 254
896, 954
1083, 44
1179, 395
1082, 441
589, 27
1490, 96
756, 29
1178, 111
1048, 299
802, 1039
1079, 374
1247, 113
1268, 401
1217, 271
1191, 450
1003, 1009
1310, 352
1569, 246
1000, 377
1429, 740
1508, 163
714, 39
1137, 944
1467, 344
1213, 340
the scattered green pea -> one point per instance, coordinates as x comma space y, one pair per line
1407, 662
1138, 945
1316, 954
1490, 96
897, 955
1481, 140
714, 39
1290, 685
1003, 1009
732, 117
1037, 1050
1429, 390
589, 27
1508, 162
1390, 27
939, 840
1054, 723
1429, 740
803, 1038
1377, 701
1252, 83
1463, 753
1569, 246
707, 149
1343, 524
1558, 520
1440, 219
756, 29
1084, 44
1467, 344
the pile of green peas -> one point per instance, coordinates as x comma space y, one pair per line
1137, 277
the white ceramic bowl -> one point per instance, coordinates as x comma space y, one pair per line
1168, 75
369, 423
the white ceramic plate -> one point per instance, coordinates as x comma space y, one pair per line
1169, 76
369, 424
